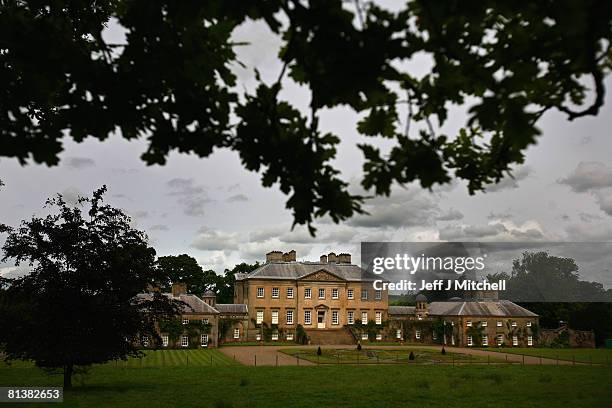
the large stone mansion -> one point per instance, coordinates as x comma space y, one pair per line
332, 301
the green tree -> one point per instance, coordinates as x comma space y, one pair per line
79, 305
171, 83
225, 286
184, 268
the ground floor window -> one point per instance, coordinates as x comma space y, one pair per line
259, 316
378, 317
165, 340
364, 336
417, 334
335, 318
500, 339
434, 335
470, 341
185, 321
289, 316
236, 333
204, 340
530, 340
379, 337
289, 336
515, 340
398, 334
307, 317
275, 336
350, 317
485, 340
184, 341
258, 337
145, 341
364, 317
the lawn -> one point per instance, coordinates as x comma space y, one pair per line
325, 386
598, 356
383, 356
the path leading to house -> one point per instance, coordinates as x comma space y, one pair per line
272, 355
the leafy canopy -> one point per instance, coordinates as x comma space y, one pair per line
171, 83
79, 304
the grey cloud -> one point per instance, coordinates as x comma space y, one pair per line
139, 214
213, 240
190, 195
450, 215
499, 216
588, 176
184, 187
510, 182
605, 202
78, 162
528, 235
71, 195
586, 217
159, 227
455, 232
601, 231
237, 198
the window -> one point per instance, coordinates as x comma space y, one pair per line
469, 323
350, 294
335, 319
289, 336
307, 293
364, 336
185, 321
513, 324
500, 339
260, 292
145, 341
334, 293
398, 334
260, 316
528, 324
417, 334
378, 317
483, 323
321, 293
515, 340
470, 341
289, 316
307, 317
530, 340
499, 323
350, 317
275, 336
289, 293
275, 293
275, 317
258, 337
379, 337
236, 333
165, 340
204, 321
364, 317
364, 294
378, 295
485, 340
184, 341
204, 340
434, 335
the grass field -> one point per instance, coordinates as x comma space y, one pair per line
597, 356
164, 358
383, 356
326, 386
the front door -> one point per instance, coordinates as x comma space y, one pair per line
321, 319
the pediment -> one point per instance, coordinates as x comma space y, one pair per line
322, 275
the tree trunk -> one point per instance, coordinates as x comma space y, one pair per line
68, 368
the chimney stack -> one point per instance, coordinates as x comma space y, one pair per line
344, 258
179, 288
332, 258
289, 256
274, 256
323, 259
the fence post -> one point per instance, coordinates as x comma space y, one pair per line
187, 357
277, 360
488, 359
540, 360
298, 358
255, 359
338, 358
211, 362
523, 359
573, 360
557, 359
506, 358
453, 359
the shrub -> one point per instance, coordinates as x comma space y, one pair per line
358, 346
443, 351
319, 351
411, 356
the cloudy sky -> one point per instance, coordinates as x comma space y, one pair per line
219, 213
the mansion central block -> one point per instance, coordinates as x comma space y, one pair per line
333, 302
